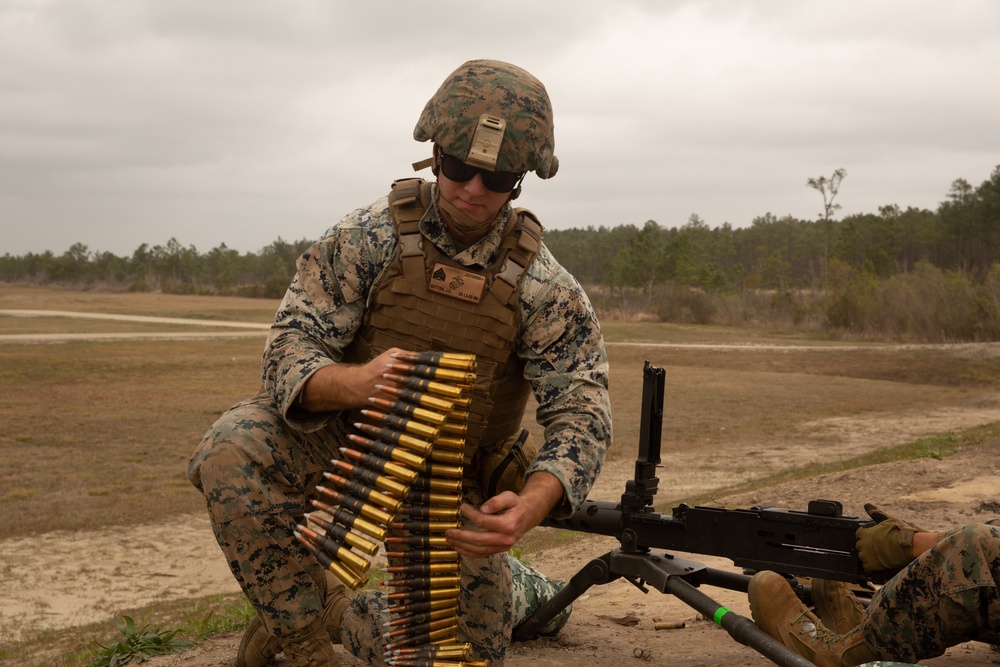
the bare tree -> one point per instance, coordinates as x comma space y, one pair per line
828, 188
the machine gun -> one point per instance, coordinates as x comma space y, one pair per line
817, 542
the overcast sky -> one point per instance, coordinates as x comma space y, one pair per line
134, 121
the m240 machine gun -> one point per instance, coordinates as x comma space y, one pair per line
817, 542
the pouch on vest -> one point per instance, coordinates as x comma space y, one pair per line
504, 469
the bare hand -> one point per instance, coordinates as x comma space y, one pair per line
501, 521
342, 386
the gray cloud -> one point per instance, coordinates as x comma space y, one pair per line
125, 122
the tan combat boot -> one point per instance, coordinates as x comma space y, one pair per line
336, 602
310, 648
836, 605
779, 612
257, 647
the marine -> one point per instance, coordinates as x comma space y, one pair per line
447, 267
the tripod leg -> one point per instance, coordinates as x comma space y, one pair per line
740, 628
596, 571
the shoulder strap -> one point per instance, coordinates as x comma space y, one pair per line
519, 247
408, 201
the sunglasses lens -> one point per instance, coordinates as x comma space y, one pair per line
496, 181
500, 181
456, 170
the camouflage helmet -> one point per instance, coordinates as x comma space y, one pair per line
492, 115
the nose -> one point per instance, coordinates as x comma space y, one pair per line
475, 185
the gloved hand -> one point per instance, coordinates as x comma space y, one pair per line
888, 545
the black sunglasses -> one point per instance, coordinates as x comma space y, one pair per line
496, 181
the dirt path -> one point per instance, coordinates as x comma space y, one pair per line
148, 319
255, 329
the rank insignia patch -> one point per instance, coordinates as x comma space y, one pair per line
457, 283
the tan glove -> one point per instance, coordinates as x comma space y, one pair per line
888, 545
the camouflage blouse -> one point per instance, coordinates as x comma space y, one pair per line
560, 341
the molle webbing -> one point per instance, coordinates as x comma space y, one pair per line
405, 313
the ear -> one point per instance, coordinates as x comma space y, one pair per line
436, 164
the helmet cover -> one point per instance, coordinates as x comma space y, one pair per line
468, 105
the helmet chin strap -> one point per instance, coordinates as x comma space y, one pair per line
461, 222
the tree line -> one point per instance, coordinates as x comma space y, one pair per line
963, 234
171, 268
909, 273
853, 274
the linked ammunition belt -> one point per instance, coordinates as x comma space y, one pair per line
400, 484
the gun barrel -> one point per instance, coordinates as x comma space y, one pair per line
594, 516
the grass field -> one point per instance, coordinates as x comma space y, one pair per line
105, 428
97, 434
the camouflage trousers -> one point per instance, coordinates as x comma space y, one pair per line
258, 475
531, 590
946, 596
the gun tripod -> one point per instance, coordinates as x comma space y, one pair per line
819, 542
671, 574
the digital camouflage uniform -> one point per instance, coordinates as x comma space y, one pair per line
945, 596
531, 590
259, 464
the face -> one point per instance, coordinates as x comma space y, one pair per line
473, 198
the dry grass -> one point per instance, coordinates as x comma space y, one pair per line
718, 399
16, 297
98, 433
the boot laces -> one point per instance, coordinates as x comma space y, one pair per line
308, 652
807, 625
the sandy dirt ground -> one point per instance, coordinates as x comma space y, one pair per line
83, 576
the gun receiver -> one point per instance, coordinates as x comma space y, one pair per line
810, 543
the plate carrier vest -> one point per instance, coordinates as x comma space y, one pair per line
405, 311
